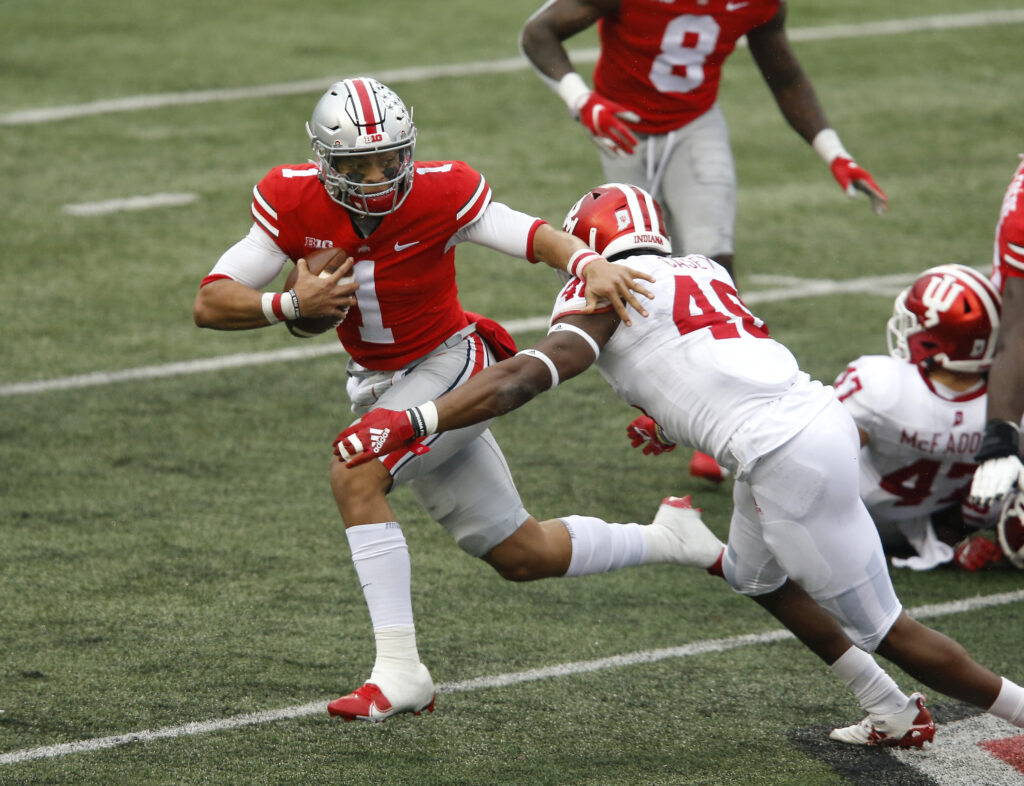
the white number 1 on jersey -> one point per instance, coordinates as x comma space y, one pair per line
372, 330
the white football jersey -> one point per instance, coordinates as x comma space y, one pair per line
921, 440
702, 365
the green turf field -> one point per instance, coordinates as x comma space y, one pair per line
170, 554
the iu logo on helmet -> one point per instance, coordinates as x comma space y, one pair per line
939, 295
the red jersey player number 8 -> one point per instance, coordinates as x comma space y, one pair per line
685, 46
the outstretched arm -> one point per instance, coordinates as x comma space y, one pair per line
617, 284
541, 42
495, 391
799, 104
517, 234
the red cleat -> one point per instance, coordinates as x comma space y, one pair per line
369, 704
704, 466
911, 727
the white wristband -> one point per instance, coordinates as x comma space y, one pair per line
574, 92
279, 306
580, 260
827, 145
423, 419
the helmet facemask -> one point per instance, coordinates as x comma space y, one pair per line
363, 138
343, 177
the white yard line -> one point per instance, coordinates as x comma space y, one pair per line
481, 683
480, 67
148, 202
803, 288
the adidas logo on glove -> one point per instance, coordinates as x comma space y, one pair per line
378, 436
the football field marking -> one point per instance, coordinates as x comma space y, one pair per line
481, 67
792, 288
480, 683
123, 204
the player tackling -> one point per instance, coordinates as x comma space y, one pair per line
703, 367
409, 339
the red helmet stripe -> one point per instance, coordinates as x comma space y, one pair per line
366, 106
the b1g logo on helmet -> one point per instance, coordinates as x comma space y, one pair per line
939, 295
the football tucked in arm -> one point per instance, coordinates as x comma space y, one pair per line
321, 262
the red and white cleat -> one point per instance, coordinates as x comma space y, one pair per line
911, 727
704, 466
370, 704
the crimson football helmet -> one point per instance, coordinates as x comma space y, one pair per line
615, 217
948, 317
360, 124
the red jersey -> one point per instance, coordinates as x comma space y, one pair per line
407, 303
1008, 255
663, 58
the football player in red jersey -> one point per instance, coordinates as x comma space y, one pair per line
653, 111
1000, 469
801, 542
654, 116
409, 339
920, 412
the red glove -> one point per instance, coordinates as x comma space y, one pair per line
375, 434
645, 430
852, 178
976, 552
603, 119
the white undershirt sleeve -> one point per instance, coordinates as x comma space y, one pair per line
501, 228
255, 260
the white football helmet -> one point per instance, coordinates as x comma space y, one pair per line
356, 121
948, 317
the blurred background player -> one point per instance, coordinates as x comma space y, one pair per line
654, 115
920, 412
703, 367
1000, 469
410, 340
653, 111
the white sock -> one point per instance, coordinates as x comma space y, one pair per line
381, 559
598, 547
876, 691
1009, 704
396, 654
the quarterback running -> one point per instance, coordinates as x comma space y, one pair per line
398, 222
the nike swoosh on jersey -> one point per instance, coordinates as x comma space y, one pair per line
735, 6
403, 246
